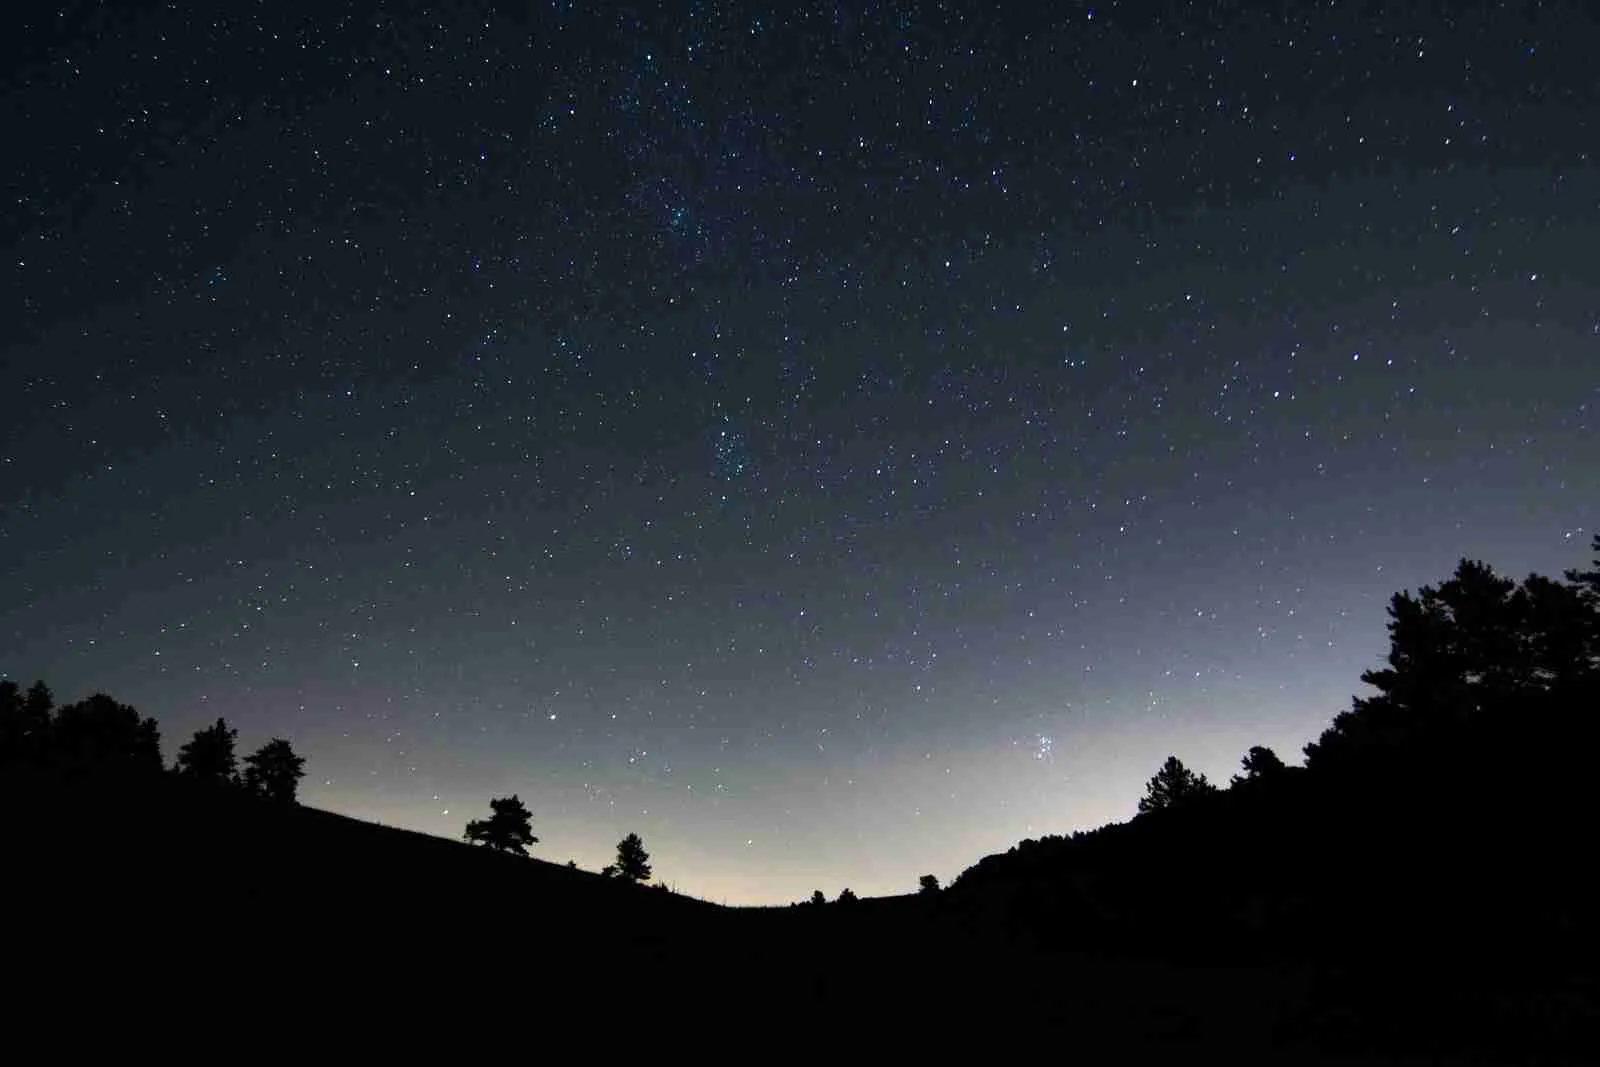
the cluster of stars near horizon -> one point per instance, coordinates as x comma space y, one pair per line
833, 443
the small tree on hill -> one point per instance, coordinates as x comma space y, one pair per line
1173, 786
928, 885
208, 756
274, 771
817, 897
633, 862
846, 896
508, 829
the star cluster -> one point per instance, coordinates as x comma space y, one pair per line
831, 440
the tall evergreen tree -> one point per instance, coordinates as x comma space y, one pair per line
633, 862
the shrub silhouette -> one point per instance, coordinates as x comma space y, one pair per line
508, 829
928, 885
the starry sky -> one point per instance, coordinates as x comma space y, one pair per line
832, 440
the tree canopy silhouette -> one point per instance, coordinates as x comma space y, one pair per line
24, 724
208, 756
274, 771
1172, 786
1472, 648
633, 862
99, 735
817, 897
1259, 763
508, 829
928, 885
847, 896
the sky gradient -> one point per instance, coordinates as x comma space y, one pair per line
833, 441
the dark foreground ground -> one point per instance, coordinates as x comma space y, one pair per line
154, 922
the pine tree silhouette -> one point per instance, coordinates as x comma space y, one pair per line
1172, 786
633, 862
508, 829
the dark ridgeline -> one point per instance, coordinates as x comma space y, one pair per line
1422, 885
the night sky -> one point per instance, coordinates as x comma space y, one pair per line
834, 441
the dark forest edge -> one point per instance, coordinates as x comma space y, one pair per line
1473, 760
1481, 669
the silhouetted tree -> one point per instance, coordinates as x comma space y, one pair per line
1587, 583
1473, 647
208, 755
846, 896
1259, 763
508, 829
10, 723
633, 862
817, 897
99, 735
274, 771
11, 732
928, 885
1172, 786
24, 724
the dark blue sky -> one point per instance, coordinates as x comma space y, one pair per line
833, 441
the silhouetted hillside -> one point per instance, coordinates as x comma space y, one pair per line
1434, 849
1422, 887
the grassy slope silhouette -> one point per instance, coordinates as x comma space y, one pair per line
1428, 896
